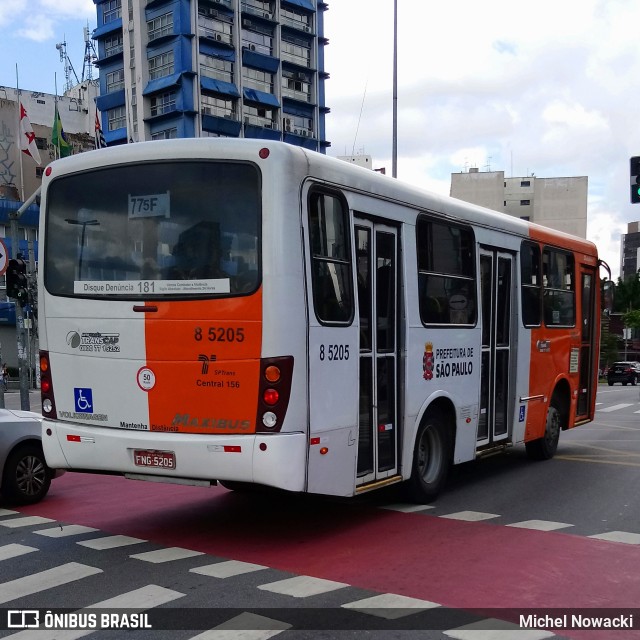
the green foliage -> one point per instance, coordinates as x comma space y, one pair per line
627, 295
632, 319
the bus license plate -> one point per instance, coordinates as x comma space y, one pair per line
158, 459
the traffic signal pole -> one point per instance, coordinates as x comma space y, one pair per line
20, 329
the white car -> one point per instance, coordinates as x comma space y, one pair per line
24, 475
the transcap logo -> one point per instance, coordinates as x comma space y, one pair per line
83, 400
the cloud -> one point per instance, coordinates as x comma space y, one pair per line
10, 9
39, 29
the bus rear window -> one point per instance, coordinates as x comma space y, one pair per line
178, 229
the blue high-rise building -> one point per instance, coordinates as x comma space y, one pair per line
192, 68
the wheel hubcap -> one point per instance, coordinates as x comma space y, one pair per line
30, 475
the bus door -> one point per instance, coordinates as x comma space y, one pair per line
586, 362
498, 346
377, 274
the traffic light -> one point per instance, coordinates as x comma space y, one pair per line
634, 166
17, 284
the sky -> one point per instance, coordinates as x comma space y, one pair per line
545, 88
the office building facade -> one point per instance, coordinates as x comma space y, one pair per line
194, 68
630, 251
558, 203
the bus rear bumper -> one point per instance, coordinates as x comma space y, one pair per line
276, 460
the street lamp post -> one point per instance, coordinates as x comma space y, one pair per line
84, 224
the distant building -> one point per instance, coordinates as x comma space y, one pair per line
197, 68
20, 176
630, 251
358, 160
558, 203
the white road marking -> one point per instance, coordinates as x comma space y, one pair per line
302, 586
227, 569
65, 530
243, 627
615, 407
8, 551
619, 536
390, 606
470, 516
166, 555
110, 542
540, 525
27, 521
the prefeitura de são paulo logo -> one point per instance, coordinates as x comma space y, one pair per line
427, 361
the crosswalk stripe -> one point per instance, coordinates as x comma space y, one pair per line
36, 582
14, 550
492, 629
166, 555
615, 407
390, 606
141, 599
302, 586
227, 569
540, 525
65, 530
243, 627
7, 512
110, 542
619, 536
470, 516
27, 521
407, 508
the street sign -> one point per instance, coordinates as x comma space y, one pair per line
4, 257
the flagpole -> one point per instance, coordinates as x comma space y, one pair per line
19, 146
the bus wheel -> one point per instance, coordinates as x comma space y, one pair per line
545, 448
26, 477
431, 461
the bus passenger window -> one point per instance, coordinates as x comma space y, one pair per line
559, 300
446, 273
531, 284
331, 270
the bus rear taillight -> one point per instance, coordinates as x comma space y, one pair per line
276, 375
46, 387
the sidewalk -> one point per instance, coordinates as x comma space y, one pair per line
12, 400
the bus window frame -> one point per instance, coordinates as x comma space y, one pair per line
539, 287
315, 192
430, 218
548, 249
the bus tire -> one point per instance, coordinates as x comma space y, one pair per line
545, 448
431, 460
26, 478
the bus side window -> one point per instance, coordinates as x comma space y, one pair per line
446, 273
331, 269
559, 296
531, 284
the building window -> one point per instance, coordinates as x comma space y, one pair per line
160, 26
115, 80
446, 273
258, 38
259, 116
256, 79
296, 20
111, 11
525, 203
113, 45
161, 65
296, 85
298, 125
525, 183
260, 8
218, 29
297, 51
117, 118
163, 103
42, 143
165, 134
218, 106
212, 67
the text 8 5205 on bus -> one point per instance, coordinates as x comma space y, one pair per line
242, 312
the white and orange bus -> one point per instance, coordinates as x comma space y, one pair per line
249, 312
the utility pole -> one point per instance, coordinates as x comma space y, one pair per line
14, 216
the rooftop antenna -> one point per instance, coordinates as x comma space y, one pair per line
68, 67
90, 56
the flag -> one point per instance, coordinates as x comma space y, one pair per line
59, 138
99, 136
27, 137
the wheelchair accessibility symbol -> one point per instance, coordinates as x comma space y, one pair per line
83, 400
